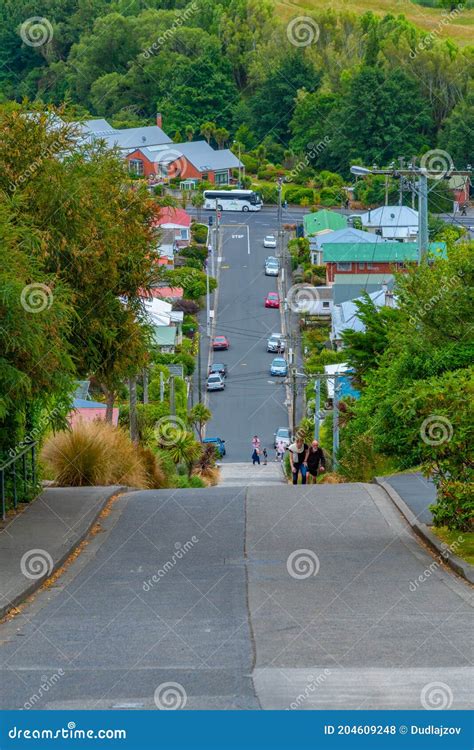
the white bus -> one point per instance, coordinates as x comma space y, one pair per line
232, 200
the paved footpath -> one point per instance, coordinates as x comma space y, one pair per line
416, 491
245, 598
248, 475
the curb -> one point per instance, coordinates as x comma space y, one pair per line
36, 584
461, 567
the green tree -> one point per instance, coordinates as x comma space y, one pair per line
456, 135
207, 130
222, 136
198, 417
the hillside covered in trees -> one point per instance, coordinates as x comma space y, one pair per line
367, 88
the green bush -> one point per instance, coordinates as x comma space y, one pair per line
269, 193
296, 195
147, 417
250, 163
331, 196
199, 233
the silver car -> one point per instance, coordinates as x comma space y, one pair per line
272, 268
270, 241
215, 382
276, 343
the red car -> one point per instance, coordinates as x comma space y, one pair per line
220, 342
272, 300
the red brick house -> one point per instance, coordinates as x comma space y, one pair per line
345, 258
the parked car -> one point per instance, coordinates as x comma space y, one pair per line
218, 367
279, 367
276, 343
218, 443
220, 342
215, 382
283, 434
272, 268
270, 241
272, 300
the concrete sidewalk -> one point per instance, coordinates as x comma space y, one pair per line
39, 540
416, 491
247, 475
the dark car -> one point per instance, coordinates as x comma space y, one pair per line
218, 443
218, 367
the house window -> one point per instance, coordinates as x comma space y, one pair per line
372, 266
361, 266
184, 234
136, 166
326, 304
343, 266
205, 176
221, 178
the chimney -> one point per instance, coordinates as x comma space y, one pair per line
159, 120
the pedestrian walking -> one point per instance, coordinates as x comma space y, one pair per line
316, 462
256, 442
256, 456
265, 456
298, 459
280, 450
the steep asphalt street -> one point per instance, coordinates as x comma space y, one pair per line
253, 401
234, 598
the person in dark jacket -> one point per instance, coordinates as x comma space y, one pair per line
316, 462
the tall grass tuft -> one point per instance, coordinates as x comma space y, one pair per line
95, 453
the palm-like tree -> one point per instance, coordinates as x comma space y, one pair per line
189, 130
182, 447
221, 135
197, 200
199, 415
207, 130
260, 154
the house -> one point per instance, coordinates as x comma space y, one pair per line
323, 221
345, 316
124, 139
319, 306
168, 293
349, 286
176, 219
346, 234
371, 258
190, 160
392, 222
344, 381
164, 338
161, 313
460, 184
84, 410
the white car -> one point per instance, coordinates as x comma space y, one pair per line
215, 382
270, 241
272, 267
276, 342
283, 434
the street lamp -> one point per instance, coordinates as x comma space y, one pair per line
360, 171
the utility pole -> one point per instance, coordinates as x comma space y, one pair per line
335, 423
208, 303
293, 400
172, 398
423, 236
199, 368
317, 408
162, 387
386, 190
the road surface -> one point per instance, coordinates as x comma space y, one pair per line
299, 598
253, 401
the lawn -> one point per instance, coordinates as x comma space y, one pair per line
463, 542
461, 28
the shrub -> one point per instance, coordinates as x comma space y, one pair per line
269, 193
93, 453
250, 163
188, 306
296, 195
147, 415
199, 233
156, 477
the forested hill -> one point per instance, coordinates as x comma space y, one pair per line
372, 88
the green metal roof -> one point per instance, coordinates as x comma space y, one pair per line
321, 221
164, 335
384, 252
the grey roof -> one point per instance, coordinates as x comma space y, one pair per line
98, 126
204, 157
347, 289
348, 234
345, 314
390, 216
